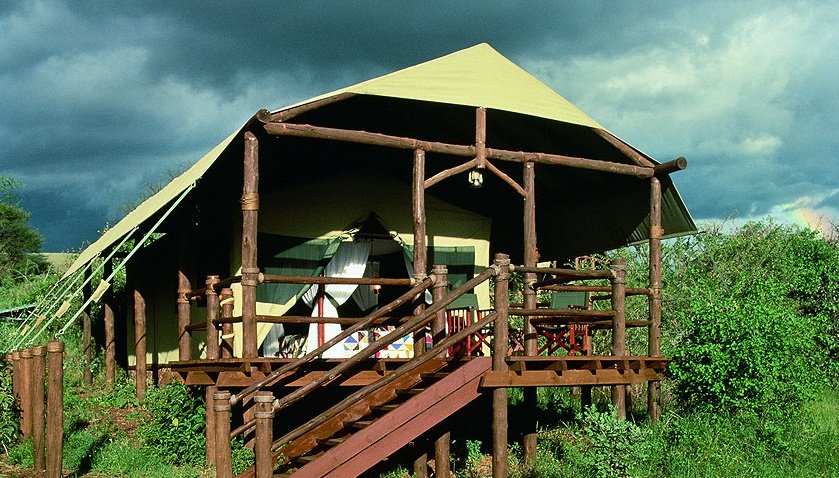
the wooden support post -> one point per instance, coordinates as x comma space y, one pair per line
140, 345
531, 257
87, 335
442, 456
420, 462
26, 393
110, 346
55, 407
264, 416
223, 461
441, 283
17, 380
499, 364
618, 266
210, 425
39, 354
184, 307
213, 347
226, 328
420, 249
250, 271
654, 331
442, 443
110, 334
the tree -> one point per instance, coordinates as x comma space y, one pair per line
18, 239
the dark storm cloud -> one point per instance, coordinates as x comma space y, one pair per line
101, 99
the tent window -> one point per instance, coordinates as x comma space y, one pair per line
286, 255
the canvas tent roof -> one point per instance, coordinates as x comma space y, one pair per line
435, 101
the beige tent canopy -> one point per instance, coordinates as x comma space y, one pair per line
435, 101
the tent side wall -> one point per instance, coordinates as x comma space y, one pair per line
295, 211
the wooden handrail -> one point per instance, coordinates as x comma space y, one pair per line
281, 279
594, 288
569, 275
562, 312
415, 323
437, 349
380, 343
275, 376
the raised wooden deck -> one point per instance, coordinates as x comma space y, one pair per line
553, 371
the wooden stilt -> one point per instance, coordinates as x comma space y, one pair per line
442, 456
184, 308
38, 363
55, 407
17, 382
264, 416
26, 393
499, 364
87, 334
110, 345
140, 345
213, 347
531, 257
441, 283
210, 425
421, 466
420, 250
250, 271
654, 331
618, 267
110, 335
223, 461
226, 328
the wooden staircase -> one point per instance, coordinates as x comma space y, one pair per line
369, 430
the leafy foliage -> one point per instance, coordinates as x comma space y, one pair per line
17, 237
9, 428
754, 314
175, 429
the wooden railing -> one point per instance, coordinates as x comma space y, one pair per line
257, 403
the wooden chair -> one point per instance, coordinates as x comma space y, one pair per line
572, 337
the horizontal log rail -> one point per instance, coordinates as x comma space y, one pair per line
403, 370
571, 275
582, 313
594, 288
384, 140
366, 322
607, 324
280, 279
305, 319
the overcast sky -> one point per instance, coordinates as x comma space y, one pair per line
99, 101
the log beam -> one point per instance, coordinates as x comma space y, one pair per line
378, 139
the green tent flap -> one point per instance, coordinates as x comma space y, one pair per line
294, 256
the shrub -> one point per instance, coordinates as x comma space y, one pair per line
175, 428
752, 318
9, 427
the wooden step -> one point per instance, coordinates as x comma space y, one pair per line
304, 459
387, 407
359, 424
332, 441
410, 392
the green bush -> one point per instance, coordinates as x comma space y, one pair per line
751, 318
175, 428
9, 426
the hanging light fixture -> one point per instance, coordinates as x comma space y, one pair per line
476, 178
